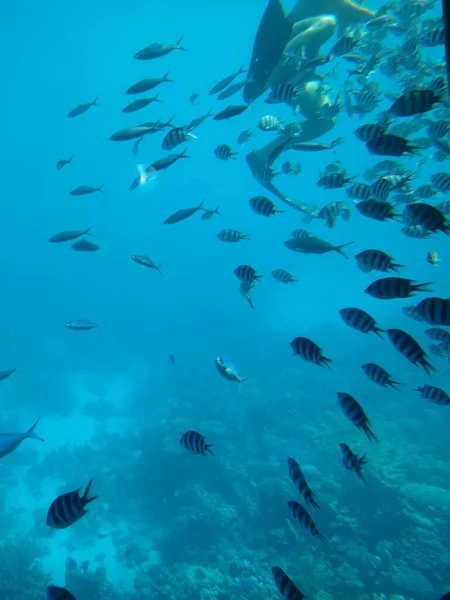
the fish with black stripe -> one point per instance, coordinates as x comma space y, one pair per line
285, 585
379, 211
434, 311
309, 351
299, 480
69, 508
231, 235
440, 335
353, 462
414, 102
389, 288
426, 215
355, 413
283, 276
246, 273
390, 144
300, 513
195, 443
261, 205
434, 394
379, 375
361, 320
409, 348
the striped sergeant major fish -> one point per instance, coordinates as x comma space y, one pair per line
300, 513
410, 349
298, 479
285, 585
68, 508
355, 413
353, 462
227, 370
195, 443
433, 394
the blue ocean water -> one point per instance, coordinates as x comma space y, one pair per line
113, 407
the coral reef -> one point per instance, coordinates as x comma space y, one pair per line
21, 574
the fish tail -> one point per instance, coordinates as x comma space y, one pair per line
244, 379
208, 449
98, 325
242, 70
32, 435
183, 154
200, 206
325, 362
156, 98
370, 434
394, 384
245, 236
427, 366
169, 122
100, 189
179, 46
85, 498
420, 287
69, 162
341, 246
216, 210
167, 78
95, 103
395, 267
158, 268
87, 231
378, 331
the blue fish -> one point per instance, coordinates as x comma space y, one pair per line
227, 370
11, 441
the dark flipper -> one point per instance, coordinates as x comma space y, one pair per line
271, 38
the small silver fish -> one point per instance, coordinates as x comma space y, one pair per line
82, 325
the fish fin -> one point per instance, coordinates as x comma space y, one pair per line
85, 497
179, 46
32, 435
208, 449
393, 385
169, 122
340, 248
420, 287
395, 267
